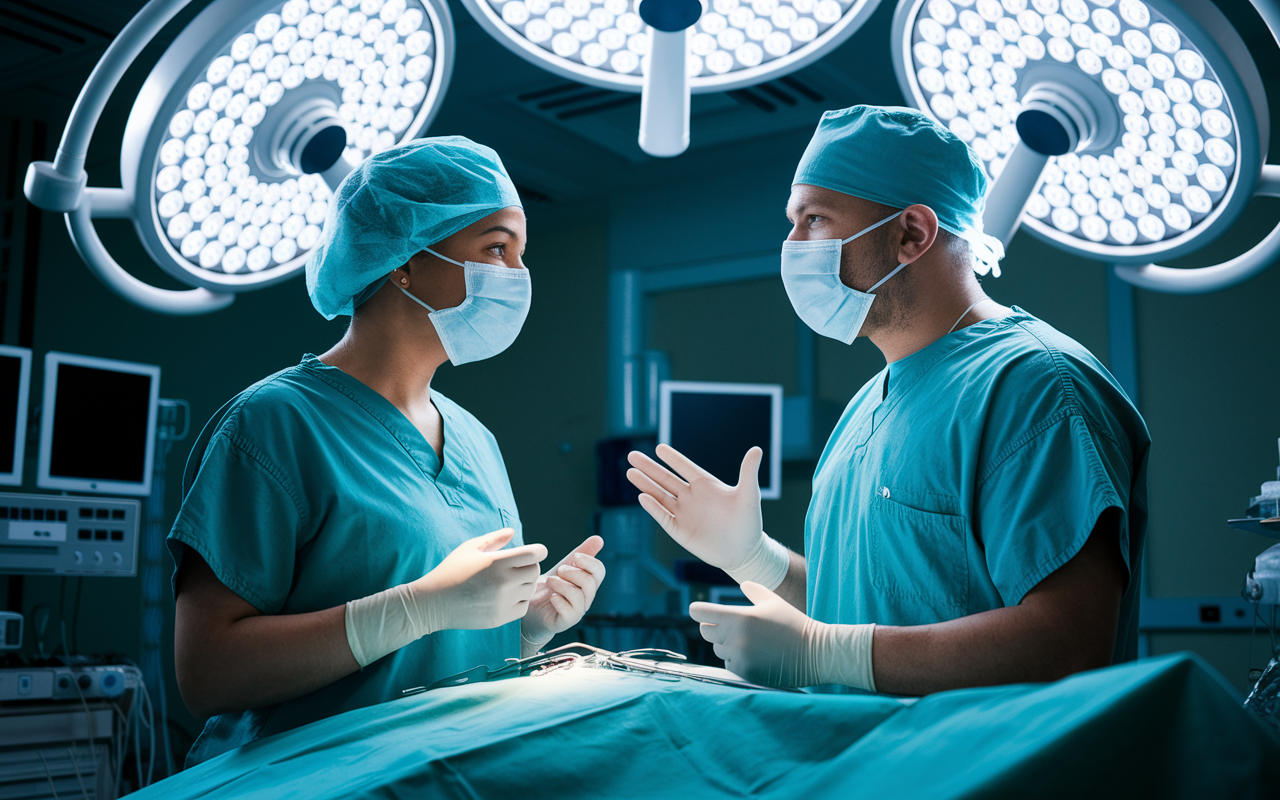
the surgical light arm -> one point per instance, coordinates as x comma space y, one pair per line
61, 186
1220, 276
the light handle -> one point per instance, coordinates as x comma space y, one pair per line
665, 95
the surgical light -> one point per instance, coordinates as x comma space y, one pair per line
241, 132
667, 49
1121, 130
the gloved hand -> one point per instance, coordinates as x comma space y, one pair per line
717, 523
478, 585
773, 643
562, 596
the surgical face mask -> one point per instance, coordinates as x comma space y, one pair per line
489, 319
811, 276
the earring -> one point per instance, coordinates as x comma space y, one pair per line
404, 280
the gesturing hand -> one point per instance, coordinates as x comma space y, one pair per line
773, 643
719, 524
479, 585
765, 643
563, 594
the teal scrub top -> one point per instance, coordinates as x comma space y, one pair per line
961, 476
314, 490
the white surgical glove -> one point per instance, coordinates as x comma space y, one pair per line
478, 585
719, 524
773, 643
562, 596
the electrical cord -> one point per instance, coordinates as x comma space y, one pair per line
122, 739
48, 775
75, 764
88, 726
75, 616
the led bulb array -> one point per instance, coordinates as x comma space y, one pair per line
732, 35
1177, 155
216, 204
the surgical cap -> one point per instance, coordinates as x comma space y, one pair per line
396, 203
900, 157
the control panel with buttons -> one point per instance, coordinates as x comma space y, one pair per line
65, 535
67, 683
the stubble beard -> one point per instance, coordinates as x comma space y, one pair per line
894, 299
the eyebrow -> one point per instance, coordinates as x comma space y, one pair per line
501, 229
804, 209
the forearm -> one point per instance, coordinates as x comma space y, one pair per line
1004, 645
794, 588
262, 660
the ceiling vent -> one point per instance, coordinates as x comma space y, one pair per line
30, 31
609, 118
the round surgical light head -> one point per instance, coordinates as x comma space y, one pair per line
735, 43
1152, 113
244, 127
235, 142
729, 44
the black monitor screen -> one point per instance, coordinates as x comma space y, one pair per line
716, 430
10, 378
100, 424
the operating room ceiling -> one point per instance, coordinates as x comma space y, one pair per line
562, 141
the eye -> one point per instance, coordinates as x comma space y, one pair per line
812, 219
499, 249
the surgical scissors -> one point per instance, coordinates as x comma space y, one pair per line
645, 660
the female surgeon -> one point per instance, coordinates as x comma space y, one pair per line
351, 533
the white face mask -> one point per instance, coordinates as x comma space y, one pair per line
811, 276
489, 319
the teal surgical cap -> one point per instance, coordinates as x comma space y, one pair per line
900, 157
396, 203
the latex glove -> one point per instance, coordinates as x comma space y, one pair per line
773, 643
478, 585
719, 524
562, 596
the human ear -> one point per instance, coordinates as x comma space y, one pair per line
918, 231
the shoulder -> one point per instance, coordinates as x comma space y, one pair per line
278, 403
1037, 364
1038, 377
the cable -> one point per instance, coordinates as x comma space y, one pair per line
75, 616
62, 616
48, 775
151, 711
1272, 630
122, 748
88, 723
75, 764
164, 725
1252, 632
137, 748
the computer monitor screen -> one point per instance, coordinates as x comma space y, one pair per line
715, 424
97, 430
15, 386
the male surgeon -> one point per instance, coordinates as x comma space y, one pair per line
979, 512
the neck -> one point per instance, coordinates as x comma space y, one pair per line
394, 350
944, 290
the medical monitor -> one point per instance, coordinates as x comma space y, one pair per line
715, 424
98, 425
15, 388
